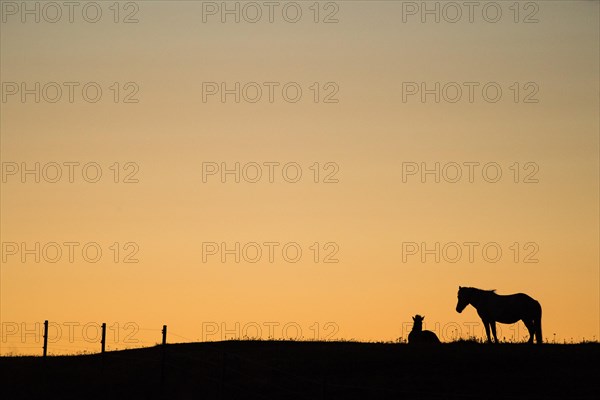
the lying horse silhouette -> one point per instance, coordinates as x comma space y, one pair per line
509, 309
418, 335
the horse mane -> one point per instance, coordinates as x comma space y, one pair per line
481, 290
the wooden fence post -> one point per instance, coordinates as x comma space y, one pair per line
45, 338
163, 356
103, 342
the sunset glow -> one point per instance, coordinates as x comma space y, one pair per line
307, 180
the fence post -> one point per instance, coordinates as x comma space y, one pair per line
103, 342
45, 338
163, 356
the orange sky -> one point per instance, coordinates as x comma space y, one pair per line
370, 213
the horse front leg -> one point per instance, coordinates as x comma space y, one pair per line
487, 330
493, 324
531, 328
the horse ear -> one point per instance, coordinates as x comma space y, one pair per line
413, 318
460, 287
423, 317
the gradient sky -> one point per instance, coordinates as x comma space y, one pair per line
370, 294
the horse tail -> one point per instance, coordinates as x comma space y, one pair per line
538, 325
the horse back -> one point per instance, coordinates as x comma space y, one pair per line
423, 337
525, 302
430, 337
513, 307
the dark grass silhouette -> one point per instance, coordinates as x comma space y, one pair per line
418, 336
311, 370
492, 308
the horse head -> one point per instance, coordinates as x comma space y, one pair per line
463, 299
418, 322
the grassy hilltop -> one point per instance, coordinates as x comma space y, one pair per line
311, 370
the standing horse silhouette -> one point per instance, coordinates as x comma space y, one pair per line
418, 335
509, 309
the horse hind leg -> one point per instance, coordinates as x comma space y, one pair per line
538, 329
